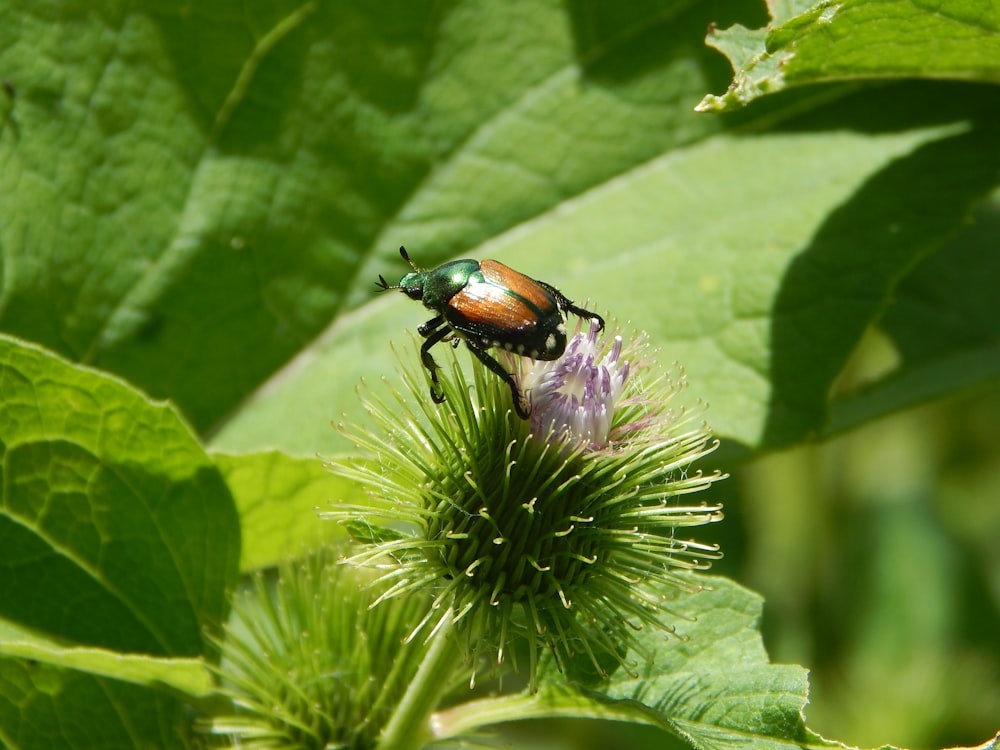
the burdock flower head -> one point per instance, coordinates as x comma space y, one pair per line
307, 664
563, 529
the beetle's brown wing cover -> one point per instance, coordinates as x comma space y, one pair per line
501, 307
487, 307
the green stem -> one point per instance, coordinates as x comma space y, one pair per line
409, 727
557, 702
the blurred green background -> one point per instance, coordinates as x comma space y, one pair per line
878, 555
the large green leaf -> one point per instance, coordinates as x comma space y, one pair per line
278, 497
942, 323
712, 685
836, 40
191, 192
42, 706
236, 183
116, 530
761, 300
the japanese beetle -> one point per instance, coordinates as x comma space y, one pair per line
488, 305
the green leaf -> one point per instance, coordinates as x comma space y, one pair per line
715, 686
942, 325
189, 676
233, 182
116, 530
712, 685
993, 744
42, 706
762, 302
277, 497
838, 40
249, 197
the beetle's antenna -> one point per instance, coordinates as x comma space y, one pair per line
406, 257
384, 285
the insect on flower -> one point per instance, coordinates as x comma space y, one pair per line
488, 305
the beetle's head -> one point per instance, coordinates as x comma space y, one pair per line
412, 284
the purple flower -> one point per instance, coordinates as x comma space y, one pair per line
574, 398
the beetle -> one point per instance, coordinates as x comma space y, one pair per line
488, 305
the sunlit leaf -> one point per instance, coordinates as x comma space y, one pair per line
278, 497
116, 529
838, 40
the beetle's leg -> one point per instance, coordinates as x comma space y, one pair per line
433, 337
427, 328
495, 367
566, 305
579, 311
